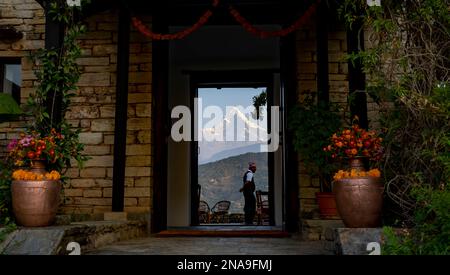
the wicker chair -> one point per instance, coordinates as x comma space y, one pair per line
204, 212
220, 211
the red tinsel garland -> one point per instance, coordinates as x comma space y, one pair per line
179, 35
237, 16
264, 34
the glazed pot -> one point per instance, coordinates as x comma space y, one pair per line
327, 204
35, 203
359, 201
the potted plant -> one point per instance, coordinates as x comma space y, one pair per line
35, 192
36, 185
311, 125
359, 193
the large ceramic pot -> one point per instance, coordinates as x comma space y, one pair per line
35, 203
359, 201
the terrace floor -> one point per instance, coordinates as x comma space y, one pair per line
214, 246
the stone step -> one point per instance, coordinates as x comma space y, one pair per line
319, 229
53, 240
355, 241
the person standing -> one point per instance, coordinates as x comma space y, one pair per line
248, 190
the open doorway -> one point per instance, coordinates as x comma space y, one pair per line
225, 151
209, 59
231, 132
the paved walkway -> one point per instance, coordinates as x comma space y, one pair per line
214, 246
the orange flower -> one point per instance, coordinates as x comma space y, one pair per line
341, 174
29, 175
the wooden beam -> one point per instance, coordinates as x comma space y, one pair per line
323, 87
121, 116
289, 89
160, 115
356, 76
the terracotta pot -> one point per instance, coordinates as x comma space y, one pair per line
327, 204
35, 203
359, 201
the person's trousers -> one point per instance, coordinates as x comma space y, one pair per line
250, 209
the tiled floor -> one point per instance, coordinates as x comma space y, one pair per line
214, 246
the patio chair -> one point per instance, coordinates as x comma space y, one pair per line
204, 212
220, 211
262, 208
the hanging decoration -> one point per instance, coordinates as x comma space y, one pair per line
137, 23
264, 34
179, 35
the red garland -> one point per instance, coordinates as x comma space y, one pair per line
237, 16
179, 35
264, 34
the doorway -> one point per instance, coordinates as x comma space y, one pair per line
208, 61
230, 134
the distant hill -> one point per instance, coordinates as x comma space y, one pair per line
221, 180
254, 148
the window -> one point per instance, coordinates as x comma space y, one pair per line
11, 77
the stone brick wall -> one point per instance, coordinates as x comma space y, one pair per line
26, 16
89, 191
93, 110
307, 84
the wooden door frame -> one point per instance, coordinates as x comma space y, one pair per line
229, 79
160, 126
161, 130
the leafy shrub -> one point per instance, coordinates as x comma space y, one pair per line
431, 234
312, 125
5, 192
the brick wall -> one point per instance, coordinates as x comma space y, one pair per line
93, 110
307, 83
89, 191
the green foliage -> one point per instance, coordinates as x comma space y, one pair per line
57, 74
8, 105
431, 235
312, 125
6, 169
394, 244
259, 101
9, 228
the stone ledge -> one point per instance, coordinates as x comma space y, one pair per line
318, 229
53, 240
115, 216
353, 241
6, 240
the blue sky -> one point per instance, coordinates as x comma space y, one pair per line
228, 96
222, 98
